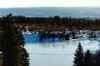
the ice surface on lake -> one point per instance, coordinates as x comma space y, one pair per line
58, 53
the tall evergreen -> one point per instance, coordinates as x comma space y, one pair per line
88, 59
97, 59
12, 42
78, 60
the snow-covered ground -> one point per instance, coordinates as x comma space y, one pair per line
58, 53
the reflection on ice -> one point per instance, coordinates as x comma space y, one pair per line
58, 53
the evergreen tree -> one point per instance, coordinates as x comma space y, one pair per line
12, 42
8, 45
88, 59
78, 60
97, 58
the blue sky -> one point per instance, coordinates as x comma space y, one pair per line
49, 3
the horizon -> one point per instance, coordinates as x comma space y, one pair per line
52, 7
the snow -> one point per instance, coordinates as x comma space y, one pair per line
57, 53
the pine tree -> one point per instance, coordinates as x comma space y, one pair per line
88, 59
97, 58
8, 45
78, 60
12, 43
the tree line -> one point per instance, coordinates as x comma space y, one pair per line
79, 23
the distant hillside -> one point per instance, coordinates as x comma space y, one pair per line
53, 11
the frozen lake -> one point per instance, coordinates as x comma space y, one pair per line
58, 53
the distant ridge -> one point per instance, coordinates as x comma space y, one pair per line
53, 11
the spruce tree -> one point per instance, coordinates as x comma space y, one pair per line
8, 45
12, 43
88, 59
78, 60
97, 59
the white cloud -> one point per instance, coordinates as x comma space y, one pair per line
40, 3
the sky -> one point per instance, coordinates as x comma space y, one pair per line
49, 3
